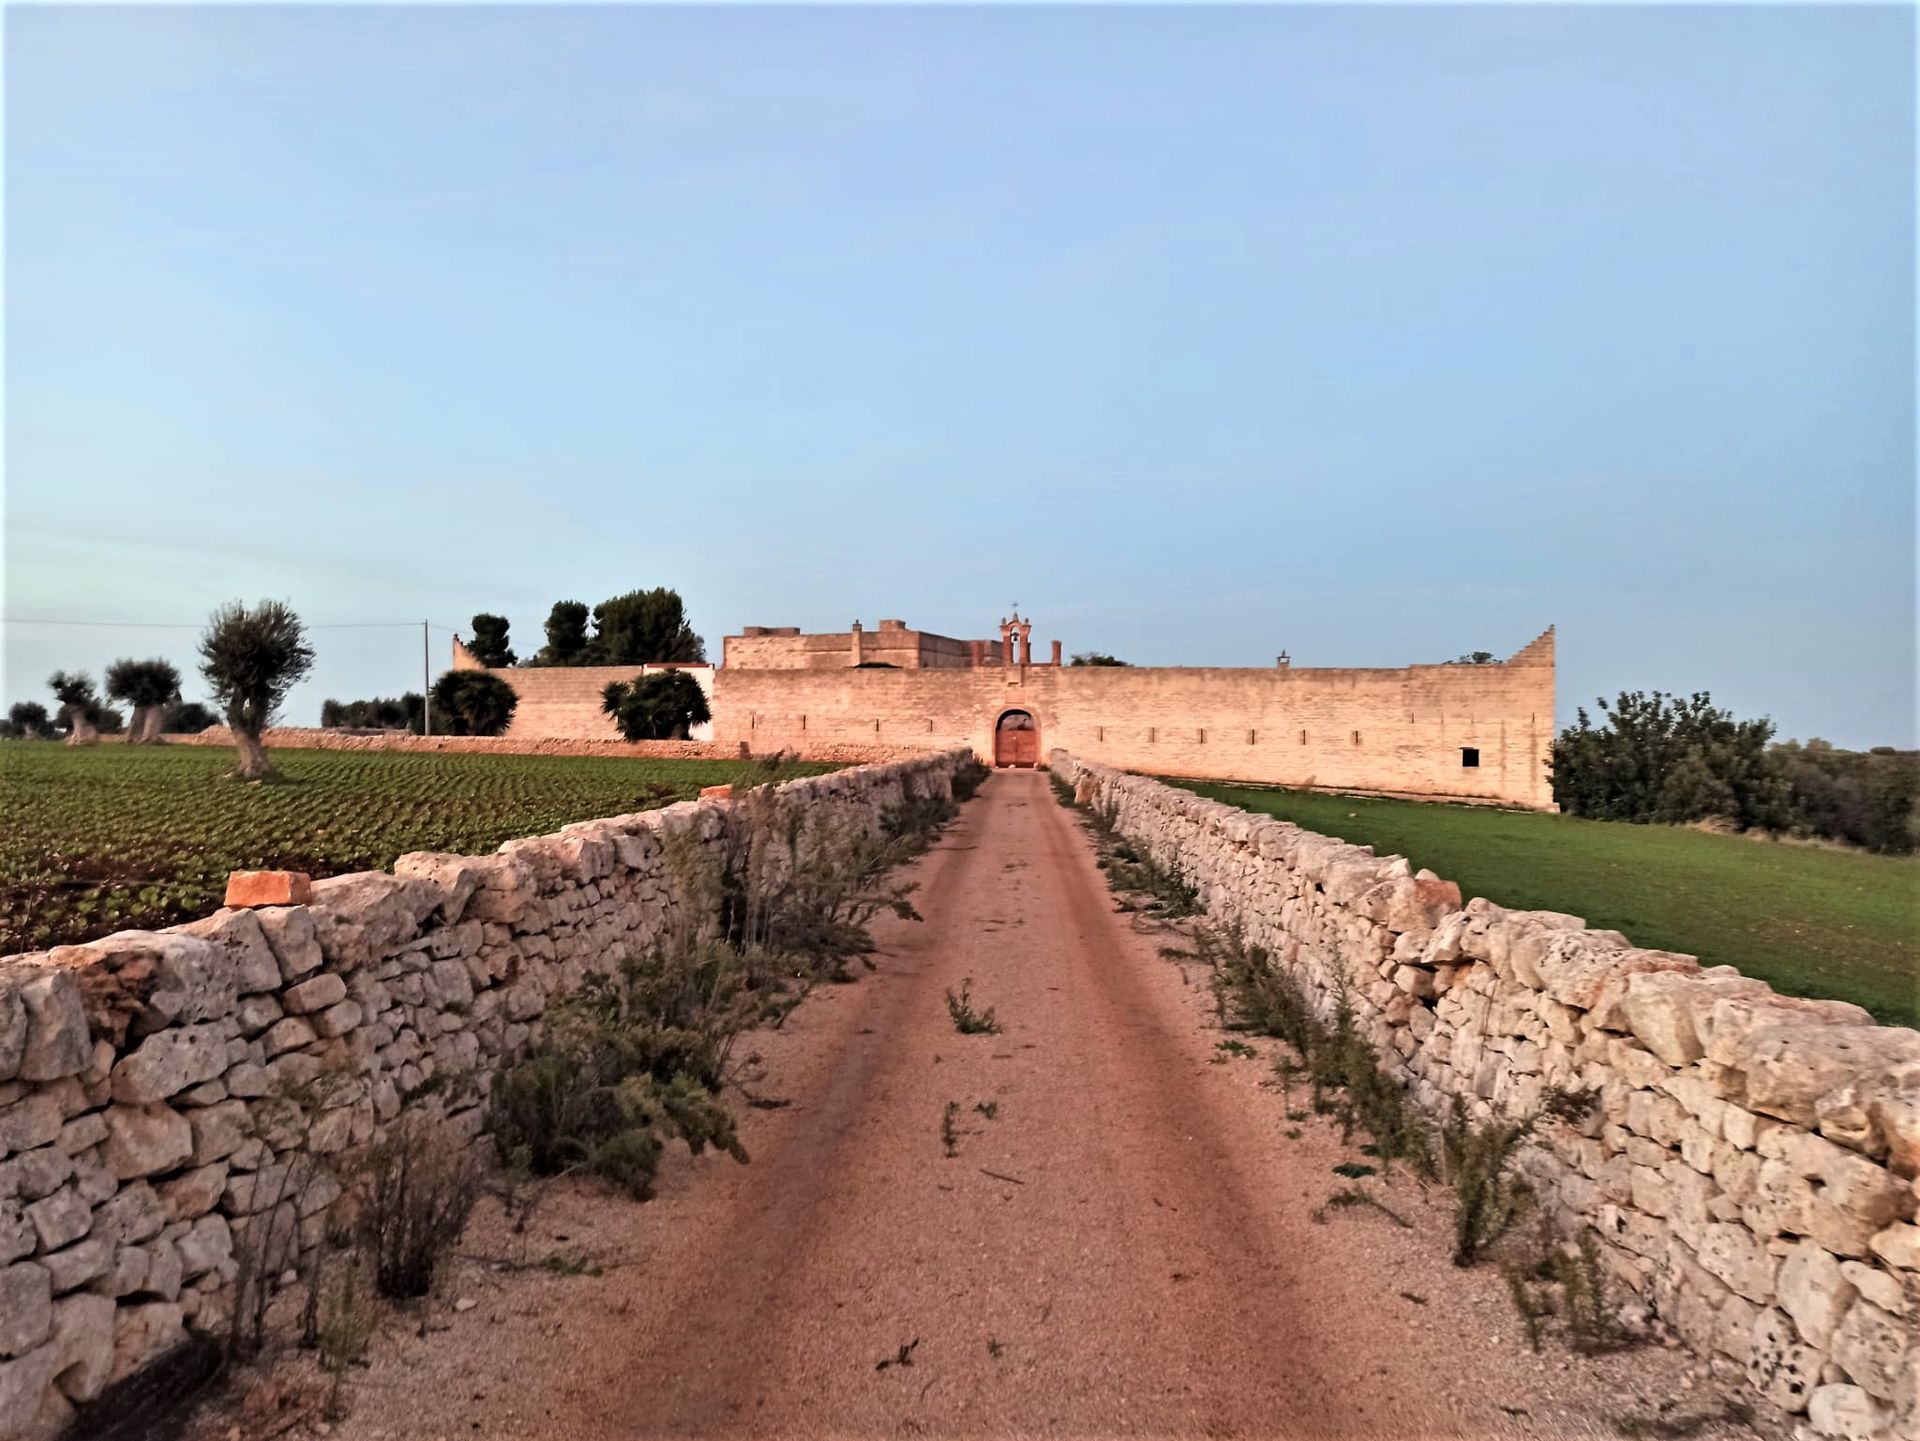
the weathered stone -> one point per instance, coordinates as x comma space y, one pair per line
314, 994
13, 1022
1813, 1292
73, 1266
146, 1140
1667, 1011
1791, 1067
1781, 1366
169, 1061
218, 1131
289, 1035
17, 1236
238, 934
60, 1219
338, 1020
1898, 1245
1875, 1350
290, 935
83, 1344
1732, 1254
35, 1174
33, 1120
456, 877
141, 1333
206, 1246
1736, 1021
58, 1042
1846, 1413
1880, 1287
361, 917
26, 1307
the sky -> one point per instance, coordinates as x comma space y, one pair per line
1372, 334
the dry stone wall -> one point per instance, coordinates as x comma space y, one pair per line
318, 739
1751, 1163
169, 1099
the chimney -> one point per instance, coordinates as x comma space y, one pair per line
859, 644
1056, 653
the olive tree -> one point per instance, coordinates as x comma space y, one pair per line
149, 686
79, 705
29, 720
252, 658
663, 706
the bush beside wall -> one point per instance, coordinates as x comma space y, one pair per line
1750, 1169
173, 1104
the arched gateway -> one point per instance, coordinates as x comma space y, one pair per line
1016, 739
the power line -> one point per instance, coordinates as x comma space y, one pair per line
202, 625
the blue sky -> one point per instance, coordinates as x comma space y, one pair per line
1373, 334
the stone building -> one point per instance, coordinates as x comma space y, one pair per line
1465, 732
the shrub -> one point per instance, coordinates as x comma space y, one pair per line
966, 1020
665, 705
1865, 798
472, 703
1658, 758
187, 718
1095, 657
1488, 1199
405, 712
29, 720
968, 777
252, 658
417, 1188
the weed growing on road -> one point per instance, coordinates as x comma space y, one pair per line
1487, 1198
949, 1131
989, 1109
966, 1020
417, 1188
1062, 792
968, 778
779, 901
995, 1349
1253, 994
1228, 1050
346, 1318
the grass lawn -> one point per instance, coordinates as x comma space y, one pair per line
1808, 921
106, 838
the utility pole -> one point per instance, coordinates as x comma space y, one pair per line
426, 682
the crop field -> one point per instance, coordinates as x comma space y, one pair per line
1808, 921
112, 837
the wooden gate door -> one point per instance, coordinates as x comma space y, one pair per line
1016, 741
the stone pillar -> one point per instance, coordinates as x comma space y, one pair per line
979, 653
1056, 653
1026, 645
859, 644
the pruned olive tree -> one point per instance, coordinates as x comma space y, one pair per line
149, 686
79, 705
252, 658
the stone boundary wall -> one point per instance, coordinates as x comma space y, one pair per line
1751, 1165
315, 739
146, 1125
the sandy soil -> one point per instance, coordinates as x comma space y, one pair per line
1133, 1244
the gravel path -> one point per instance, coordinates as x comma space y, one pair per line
1128, 1245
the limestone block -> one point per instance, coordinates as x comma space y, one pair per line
1813, 1291
57, 1041
1899, 1246
133, 1215
206, 1246
239, 934
26, 1307
1856, 1198
146, 1140
1880, 1287
83, 1344
60, 1219
339, 1020
256, 1013
315, 993
1734, 1255
289, 1035
190, 979
361, 917
291, 936
192, 1195
73, 1266
1874, 1349
169, 1061
17, 1236
33, 1120
36, 1173
1846, 1413
1667, 1011
1781, 1366
141, 1333
13, 1022
1737, 1020
1791, 1067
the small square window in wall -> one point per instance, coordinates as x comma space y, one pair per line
1469, 755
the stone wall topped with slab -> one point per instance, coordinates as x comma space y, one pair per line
1750, 1164
170, 1098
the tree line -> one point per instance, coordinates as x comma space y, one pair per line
641, 627
1657, 758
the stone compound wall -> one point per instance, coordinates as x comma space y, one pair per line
313, 738
144, 1121
1751, 1166
562, 702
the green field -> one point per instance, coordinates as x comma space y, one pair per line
110, 837
1808, 921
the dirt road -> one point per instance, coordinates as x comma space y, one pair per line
1120, 1240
